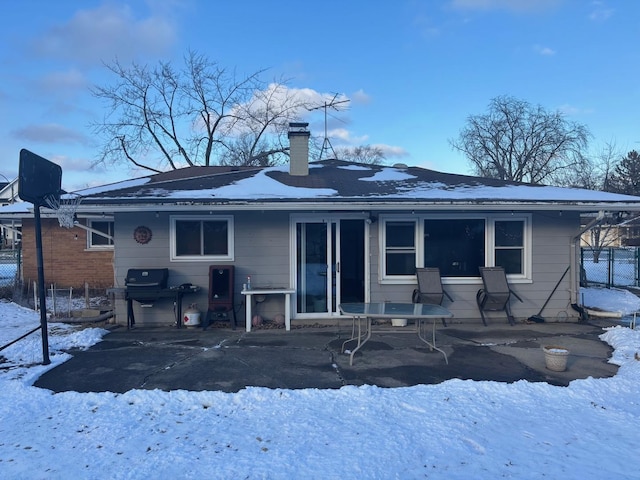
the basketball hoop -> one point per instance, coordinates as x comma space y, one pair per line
65, 206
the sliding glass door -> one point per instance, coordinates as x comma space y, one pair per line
329, 264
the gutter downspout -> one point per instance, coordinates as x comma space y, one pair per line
575, 281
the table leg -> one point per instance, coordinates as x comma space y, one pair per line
362, 339
177, 301
248, 303
287, 311
432, 343
353, 334
130, 318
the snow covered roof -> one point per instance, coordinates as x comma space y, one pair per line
349, 185
338, 184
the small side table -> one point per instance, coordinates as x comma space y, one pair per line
269, 291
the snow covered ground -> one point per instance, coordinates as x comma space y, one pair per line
454, 430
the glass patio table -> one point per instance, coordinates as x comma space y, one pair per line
363, 315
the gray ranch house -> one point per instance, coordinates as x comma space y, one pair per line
333, 231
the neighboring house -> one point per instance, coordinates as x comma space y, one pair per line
614, 231
71, 257
9, 192
9, 232
344, 232
629, 232
604, 232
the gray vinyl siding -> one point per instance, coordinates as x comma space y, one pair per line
262, 250
552, 234
553, 246
551, 252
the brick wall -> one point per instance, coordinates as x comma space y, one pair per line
67, 262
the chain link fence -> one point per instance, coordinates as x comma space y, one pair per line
61, 302
610, 267
9, 268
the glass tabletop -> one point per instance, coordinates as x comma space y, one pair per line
395, 310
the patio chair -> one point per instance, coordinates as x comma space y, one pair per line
496, 294
430, 288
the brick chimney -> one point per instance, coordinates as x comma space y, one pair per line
298, 149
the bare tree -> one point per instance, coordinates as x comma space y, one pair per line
520, 142
369, 154
603, 235
596, 172
592, 172
162, 118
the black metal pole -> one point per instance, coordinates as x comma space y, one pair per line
41, 291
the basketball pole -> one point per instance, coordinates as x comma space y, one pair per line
41, 290
39, 178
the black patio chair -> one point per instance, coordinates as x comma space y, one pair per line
495, 295
430, 288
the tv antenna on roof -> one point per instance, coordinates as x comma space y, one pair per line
326, 144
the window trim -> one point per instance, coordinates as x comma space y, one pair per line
383, 247
91, 230
489, 219
526, 243
230, 255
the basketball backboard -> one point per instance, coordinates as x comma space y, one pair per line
38, 178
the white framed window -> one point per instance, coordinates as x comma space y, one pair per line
457, 244
100, 234
207, 238
509, 242
398, 248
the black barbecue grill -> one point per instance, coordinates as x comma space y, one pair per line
146, 285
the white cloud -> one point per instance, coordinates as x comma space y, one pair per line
425, 25
545, 51
71, 80
512, 5
282, 97
346, 136
50, 133
600, 12
73, 164
104, 33
336, 102
391, 151
360, 97
571, 110
278, 93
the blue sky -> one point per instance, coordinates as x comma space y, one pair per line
413, 70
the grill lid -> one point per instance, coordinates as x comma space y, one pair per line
152, 278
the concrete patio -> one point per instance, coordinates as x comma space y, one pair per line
310, 357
